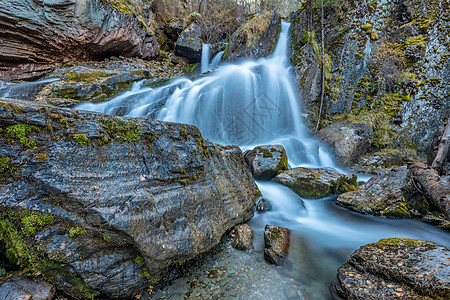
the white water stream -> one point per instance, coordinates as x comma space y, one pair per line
255, 102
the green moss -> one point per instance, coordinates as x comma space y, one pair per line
183, 132
125, 130
6, 168
77, 231
366, 27
398, 242
41, 156
20, 131
35, 221
416, 40
139, 260
81, 139
398, 210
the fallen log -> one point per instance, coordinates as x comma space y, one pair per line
442, 152
435, 187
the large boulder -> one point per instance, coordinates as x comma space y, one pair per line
396, 269
276, 244
347, 141
317, 183
22, 288
103, 204
189, 43
266, 161
256, 38
384, 195
36, 36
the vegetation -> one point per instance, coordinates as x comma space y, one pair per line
121, 129
20, 132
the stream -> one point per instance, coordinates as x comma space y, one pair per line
250, 103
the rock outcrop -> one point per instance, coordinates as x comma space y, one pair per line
276, 244
266, 161
37, 36
103, 204
395, 269
257, 38
385, 195
348, 141
189, 43
386, 66
317, 183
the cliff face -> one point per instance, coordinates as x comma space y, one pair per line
105, 204
36, 36
386, 66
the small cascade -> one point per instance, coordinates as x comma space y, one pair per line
204, 67
24, 91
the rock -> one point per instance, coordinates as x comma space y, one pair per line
189, 43
396, 269
382, 195
266, 161
38, 36
263, 205
19, 288
276, 244
257, 38
243, 237
438, 220
107, 204
348, 141
316, 183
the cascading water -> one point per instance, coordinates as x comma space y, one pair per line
255, 102
207, 64
24, 91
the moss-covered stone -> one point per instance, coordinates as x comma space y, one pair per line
20, 132
81, 139
6, 168
122, 129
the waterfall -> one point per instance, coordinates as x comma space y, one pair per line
249, 103
204, 67
23, 91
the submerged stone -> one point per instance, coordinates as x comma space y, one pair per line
276, 244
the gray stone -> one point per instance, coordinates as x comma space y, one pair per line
276, 244
395, 269
266, 161
347, 141
129, 197
243, 237
263, 205
189, 43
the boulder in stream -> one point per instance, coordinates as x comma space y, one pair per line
348, 141
189, 43
266, 161
263, 205
104, 204
396, 269
384, 195
317, 183
276, 244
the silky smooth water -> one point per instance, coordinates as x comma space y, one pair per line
24, 91
255, 102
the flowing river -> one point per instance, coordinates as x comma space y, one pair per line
250, 103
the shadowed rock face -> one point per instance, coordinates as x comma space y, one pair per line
396, 269
36, 36
126, 197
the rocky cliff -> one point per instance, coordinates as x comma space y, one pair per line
102, 204
386, 66
36, 36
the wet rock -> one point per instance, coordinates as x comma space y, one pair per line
111, 199
317, 183
189, 43
348, 141
437, 219
257, 38
263, 205
22, 288
395, 269
243, 237
276, 244
266, 161
54, 32
382, 195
